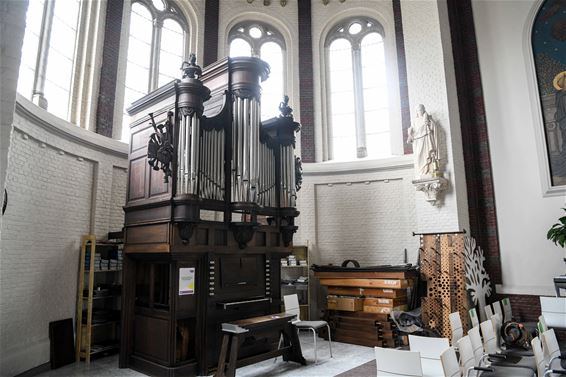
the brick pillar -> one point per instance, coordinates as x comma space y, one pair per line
306, 81
109, 68
402, 67
211, 14
477, 160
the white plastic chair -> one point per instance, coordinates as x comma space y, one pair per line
489, 337
550, 346
474, 320
498, 310
292, 306
467, 355
392, 362
430, 350
456, 327
539, 356
554, 311
507, 312
488, 311
449, 362
472, 358
545, 365
497, 322
476, 342
541, 326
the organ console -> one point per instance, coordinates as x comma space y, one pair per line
210, 212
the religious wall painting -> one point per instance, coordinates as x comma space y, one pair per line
549, 50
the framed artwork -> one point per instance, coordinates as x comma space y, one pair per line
549, 51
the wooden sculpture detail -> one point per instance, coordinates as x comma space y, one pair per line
160, 147
443, 269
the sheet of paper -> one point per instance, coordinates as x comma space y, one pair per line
186, 281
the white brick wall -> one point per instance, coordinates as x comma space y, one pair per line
431, 80
362, 210
12, 26
63, 182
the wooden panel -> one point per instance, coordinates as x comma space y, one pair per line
151, 337
157, 185
147, 248
154, 214
201, 236
220, 237
137, 179
274, 239
369, 283
158, 233
141, 137
260, 238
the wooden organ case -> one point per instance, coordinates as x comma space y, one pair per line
209, 215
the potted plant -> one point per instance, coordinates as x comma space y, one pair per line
557, 233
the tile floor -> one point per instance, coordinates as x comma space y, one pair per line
346, 357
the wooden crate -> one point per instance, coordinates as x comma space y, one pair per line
383, 309
349, 304
388, 302
367, 283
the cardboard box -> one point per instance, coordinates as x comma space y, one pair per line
348, 304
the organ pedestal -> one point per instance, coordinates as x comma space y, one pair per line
209, 214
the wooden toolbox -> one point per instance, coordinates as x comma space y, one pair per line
349, 304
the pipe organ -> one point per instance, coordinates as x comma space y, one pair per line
210, 212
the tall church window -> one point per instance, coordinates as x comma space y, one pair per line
48, 54
549, 51
358, 105
156, 50
258, 39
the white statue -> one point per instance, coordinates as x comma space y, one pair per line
423, 135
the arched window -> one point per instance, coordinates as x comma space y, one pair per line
48, 54
548, 40
358, 106
156, 50
258, 39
